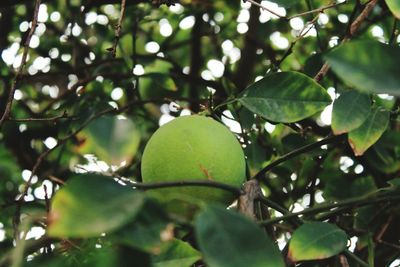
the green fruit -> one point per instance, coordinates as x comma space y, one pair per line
193, 148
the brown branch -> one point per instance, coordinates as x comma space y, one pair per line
10, 99
50, 119
354, 27
118, 29
196, 61
248, 53
294, 153
317, 10
184, 183
264, 8
252, 191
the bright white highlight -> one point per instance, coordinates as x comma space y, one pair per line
152, 47
50, 142
117, 94
165, 28
187, 23
216, 67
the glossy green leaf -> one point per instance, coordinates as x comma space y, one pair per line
349, 111
89, 205
111, 139
369, 132
316, 240
227, 239
368, 66
394, 6
285, 97
176, 253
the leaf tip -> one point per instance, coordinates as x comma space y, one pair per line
356, 151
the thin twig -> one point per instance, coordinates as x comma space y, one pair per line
317, 10
50, 119
352, 30
352, 202
186, 183
294, 153
10, 99
118, 29
265, 8
20, 198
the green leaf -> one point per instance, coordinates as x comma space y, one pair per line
176, 253
90, 256
112, 139
343, 187
315, 241
285, 97
349, 111
384, 155
227, 239
145, 231
89, 205
368, 66
369, 132
394, 6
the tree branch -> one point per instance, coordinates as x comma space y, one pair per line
118, 29
354, 27
10, 99
294, 153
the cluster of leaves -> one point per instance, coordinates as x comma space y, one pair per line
79, 109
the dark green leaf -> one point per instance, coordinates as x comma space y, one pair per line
395, 182
285, 97
146, 230
368, 66
384, 155
369, 132
344, 187
316, 240
176, 253
349, 111
228, 239
89, 205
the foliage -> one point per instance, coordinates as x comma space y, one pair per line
310, 88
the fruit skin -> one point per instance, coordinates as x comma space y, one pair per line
193, 148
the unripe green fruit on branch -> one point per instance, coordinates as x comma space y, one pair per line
193, 148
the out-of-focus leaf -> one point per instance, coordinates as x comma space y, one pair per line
368, 66
285, 97
176, 253
394, 182
89, 205
394, 6
349, 111
229, 239
343, 187
316, 240
91, 256
146, 231
112, 139
385, 154
369, 132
